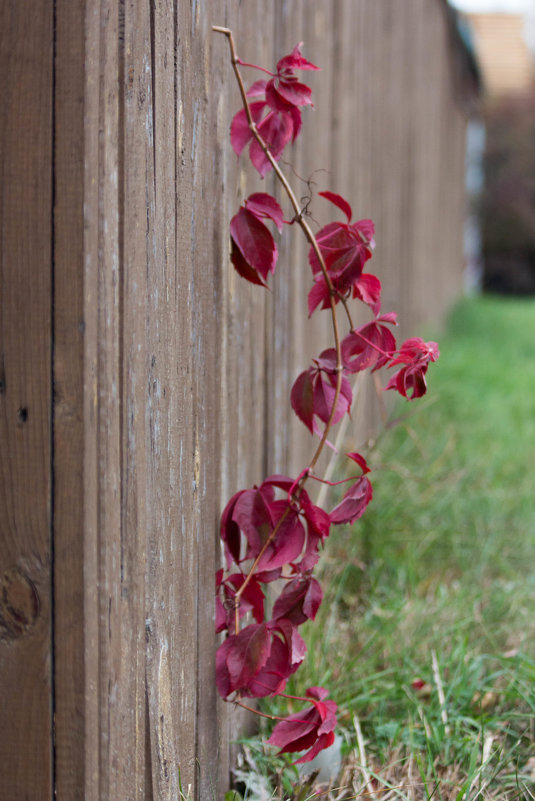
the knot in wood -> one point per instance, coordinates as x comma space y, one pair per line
19, 604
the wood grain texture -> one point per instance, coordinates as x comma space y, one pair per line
26, 59
68, 331
171, 377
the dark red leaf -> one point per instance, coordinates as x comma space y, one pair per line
254, 241
302, 398
312, 728
317, 519
271, 679
267, 576
252, 598
288, 542
230, 531
252, 514
241, 656
288, 650
299, 601
243, 268
311, 554
354, 502
258, 661
324, 394
314, 391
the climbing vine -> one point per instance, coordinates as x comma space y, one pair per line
274, 531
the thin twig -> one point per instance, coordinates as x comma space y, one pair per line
440, 691
362, 757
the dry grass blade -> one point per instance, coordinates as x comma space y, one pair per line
440, 691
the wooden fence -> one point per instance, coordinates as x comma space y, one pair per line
141, 383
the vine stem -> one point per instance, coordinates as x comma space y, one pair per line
332, 291
257, 711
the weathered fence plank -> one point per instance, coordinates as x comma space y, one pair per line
69, 443
26, 61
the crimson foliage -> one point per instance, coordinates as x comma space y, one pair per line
273, 533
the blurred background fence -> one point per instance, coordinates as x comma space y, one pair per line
141, 383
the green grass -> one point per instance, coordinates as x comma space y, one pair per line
442, 562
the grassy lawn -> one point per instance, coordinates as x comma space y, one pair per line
426, 636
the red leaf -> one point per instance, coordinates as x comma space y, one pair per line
240, 657
299, 601
370, 345
252, 514
293, 640
258, 661
415, 354
295, 61
360, 460
324, 394
302, 398
288, 542
297, 122
319, 294
257, 89
367, 288
249, 653
257, 516
230, 531
291, 91
323, 741
288, 650
276, 129
366, 229
252, 598
338, 201
345, 250
240, 133
312, 728
311, 555
354, 502
317, 519
279, 481
254, 241
242, 267
275, 100
272, 678
267, 576
314, 391
263, 205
